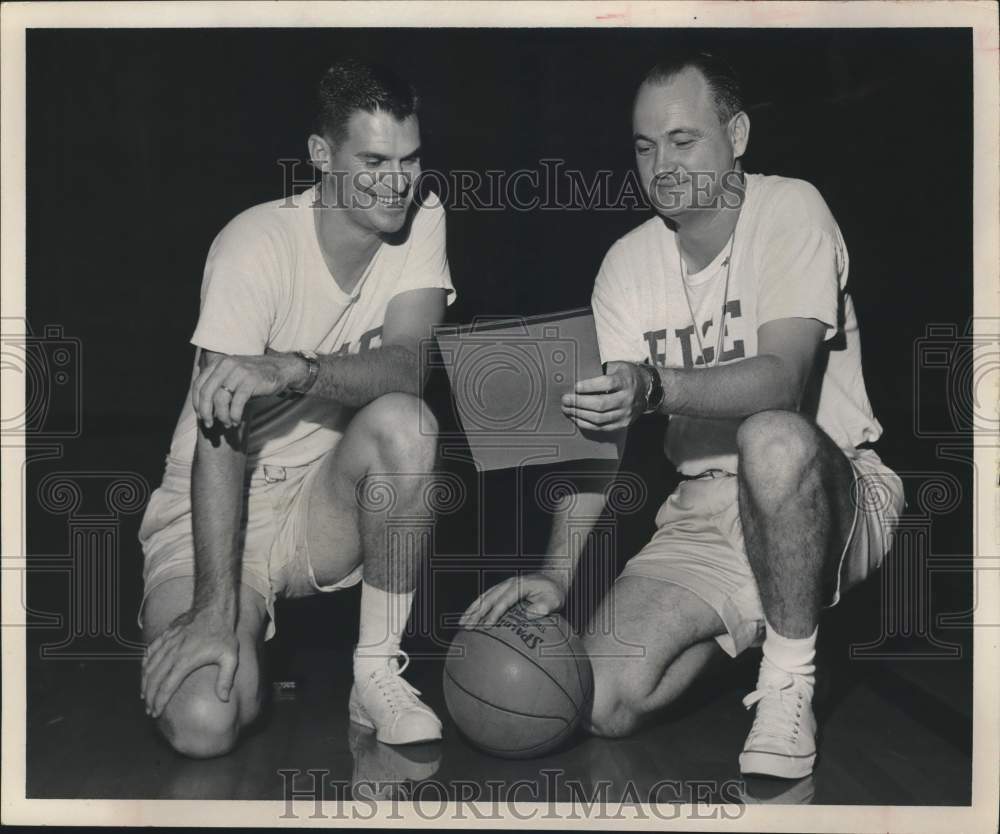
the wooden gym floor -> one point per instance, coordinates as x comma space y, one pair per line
893, 732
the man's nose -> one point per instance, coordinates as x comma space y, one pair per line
664, 165
397, 179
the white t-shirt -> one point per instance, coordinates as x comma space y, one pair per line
266, 284
788, 261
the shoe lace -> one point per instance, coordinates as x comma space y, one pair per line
779, 708
397, 691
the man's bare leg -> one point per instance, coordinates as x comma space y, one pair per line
796, 509
660, 642
380, 472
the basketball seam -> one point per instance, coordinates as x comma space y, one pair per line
579, 678
512, 712
576, 665
536, 665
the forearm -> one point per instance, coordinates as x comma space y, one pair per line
357, 379
217, 508
737, 390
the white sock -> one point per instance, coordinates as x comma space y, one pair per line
792, 655
383, 619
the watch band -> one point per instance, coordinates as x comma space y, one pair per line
313, 362
654, 393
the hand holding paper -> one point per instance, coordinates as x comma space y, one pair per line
610, 402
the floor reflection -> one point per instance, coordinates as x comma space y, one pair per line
383, 771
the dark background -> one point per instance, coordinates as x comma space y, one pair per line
142, 144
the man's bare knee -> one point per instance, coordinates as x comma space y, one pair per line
403, 430
777, 449
201, 725
615, 707
614, 713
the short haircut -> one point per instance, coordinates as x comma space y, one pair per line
351, 85
719, 74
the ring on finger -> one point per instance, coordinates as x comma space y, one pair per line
227, 389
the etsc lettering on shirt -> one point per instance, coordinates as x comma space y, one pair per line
732, 348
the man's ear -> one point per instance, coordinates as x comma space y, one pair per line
320, 153
739, 133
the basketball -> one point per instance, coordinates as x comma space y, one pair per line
520, 688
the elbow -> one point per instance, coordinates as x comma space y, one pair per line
789, 388
413, 373
788, 398
790, 401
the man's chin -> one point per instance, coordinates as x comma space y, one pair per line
389, 223
670, 211
670, 204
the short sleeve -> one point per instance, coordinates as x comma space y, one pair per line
614, 318
802, 265
238, 296
426, 265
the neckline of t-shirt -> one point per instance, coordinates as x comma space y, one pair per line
715, 266
311, 196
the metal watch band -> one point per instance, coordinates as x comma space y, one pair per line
313, 362
654, 394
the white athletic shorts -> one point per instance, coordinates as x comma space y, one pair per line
276, 560
698, 545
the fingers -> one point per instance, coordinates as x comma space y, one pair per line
599, 403
587, 425
172, 660
222, 393
203, 388
597, 409
170, 681
539, 607
470, 617
241, 396
597, 412
542, 599
156, 675
203, 391
221, 400
180, 661
501, 604
155, 655
598, 420
227, 674
480, 611
591, 421
598, 385
495, 603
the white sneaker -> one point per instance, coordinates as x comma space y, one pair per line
782, 741
386, 703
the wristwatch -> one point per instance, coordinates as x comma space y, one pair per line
313, 361
654, 391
